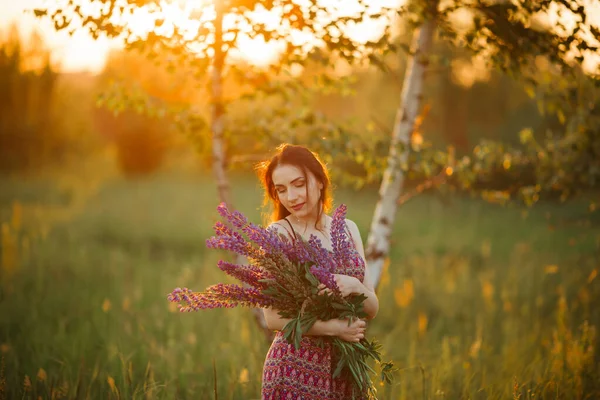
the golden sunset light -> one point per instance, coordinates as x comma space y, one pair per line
81, 52
315, 199
70, 53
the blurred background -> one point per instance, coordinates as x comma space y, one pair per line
107, 197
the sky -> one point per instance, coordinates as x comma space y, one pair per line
81, 53
72, 53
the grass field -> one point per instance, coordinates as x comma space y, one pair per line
479, 301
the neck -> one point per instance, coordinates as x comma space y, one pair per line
310, 221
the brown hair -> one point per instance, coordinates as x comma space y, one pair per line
302, 158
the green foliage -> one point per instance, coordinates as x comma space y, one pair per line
509, 36
139, 125
487, 304
567, 147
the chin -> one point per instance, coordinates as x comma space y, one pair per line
298, 214
302, 213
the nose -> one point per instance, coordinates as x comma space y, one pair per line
292, 195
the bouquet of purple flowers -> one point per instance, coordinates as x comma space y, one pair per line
286, 275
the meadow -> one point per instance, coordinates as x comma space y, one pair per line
478, 301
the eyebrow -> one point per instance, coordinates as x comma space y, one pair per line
298, 178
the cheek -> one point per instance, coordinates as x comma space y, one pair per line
314, 193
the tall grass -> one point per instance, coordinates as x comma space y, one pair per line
477, 302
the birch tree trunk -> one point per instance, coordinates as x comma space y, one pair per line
218, 146
217, 111
378, 242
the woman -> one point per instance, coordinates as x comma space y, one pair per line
296, 182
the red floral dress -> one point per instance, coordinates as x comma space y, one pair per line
306, 373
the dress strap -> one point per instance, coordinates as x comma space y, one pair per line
292, 228
292, 233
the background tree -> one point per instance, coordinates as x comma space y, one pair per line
204, 44
511, 37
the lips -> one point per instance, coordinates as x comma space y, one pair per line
298, 207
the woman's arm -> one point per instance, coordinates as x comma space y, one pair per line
350, 332
276, 323
334, 327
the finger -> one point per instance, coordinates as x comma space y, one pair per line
360, 324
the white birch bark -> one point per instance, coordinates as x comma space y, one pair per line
217, 113
218, 146
378, 242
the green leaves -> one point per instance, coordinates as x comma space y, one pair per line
356, 358
292, 332
387, 370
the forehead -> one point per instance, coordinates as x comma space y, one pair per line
283, 174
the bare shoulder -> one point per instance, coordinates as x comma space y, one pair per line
356, 238
279, 227
355, 232
353, 227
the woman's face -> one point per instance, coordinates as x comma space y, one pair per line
292, 189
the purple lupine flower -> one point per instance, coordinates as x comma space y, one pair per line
218, 296
175, 295
339, 239
321, 255
194, 301
281, 262
268, 239
236, 218
227, 239
280, 242
299, 252
235, 293
325, 277
248, 274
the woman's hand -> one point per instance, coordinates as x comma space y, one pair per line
347, 284
350, 333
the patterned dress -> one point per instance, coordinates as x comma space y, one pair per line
306, 373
